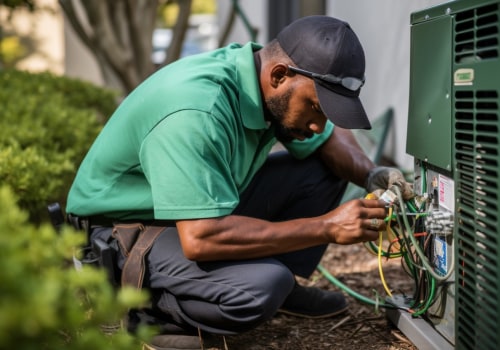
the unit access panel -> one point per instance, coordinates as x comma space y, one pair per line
429, 118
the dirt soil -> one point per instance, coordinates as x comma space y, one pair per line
362, 327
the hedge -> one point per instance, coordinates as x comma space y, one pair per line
47, 124
46, 303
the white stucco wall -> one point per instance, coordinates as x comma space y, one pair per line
383, 27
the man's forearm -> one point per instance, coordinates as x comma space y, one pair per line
239, 237
342, 153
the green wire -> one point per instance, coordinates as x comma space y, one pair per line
409, 261
418, 250
430, 299
370, 245
407, 239
412, 208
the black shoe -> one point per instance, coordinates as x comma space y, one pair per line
312, 302
172, 336
185, 342
174, 342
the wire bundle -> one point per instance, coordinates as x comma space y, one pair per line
408, 240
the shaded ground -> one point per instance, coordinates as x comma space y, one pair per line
362, 327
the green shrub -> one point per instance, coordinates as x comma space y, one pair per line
45, 303
47, 124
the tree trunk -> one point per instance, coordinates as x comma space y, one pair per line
119, 34
179, 33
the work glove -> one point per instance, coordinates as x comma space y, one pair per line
383, 178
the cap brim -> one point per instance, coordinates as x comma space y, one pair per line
344, 111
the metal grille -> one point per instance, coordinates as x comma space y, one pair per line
476, 130
476, 33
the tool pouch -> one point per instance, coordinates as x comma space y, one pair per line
126, 235
135, 241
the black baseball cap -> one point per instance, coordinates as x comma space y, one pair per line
328, 51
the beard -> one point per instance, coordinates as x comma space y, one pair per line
278, 109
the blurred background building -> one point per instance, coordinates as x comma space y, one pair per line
383, 27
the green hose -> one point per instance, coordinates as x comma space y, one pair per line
352, 293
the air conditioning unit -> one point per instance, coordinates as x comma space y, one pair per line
454, 136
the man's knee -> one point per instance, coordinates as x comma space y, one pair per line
244, 304
260, 303
271, 290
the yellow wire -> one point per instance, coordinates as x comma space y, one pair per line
366, 244
379, 253
381, 272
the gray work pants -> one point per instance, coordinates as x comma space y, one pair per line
228, 297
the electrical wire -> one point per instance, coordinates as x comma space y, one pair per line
418, 250
413, 247
380, 270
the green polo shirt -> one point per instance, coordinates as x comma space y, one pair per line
184, 144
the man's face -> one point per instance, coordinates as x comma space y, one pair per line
295, 112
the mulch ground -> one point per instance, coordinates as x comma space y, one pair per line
363, 327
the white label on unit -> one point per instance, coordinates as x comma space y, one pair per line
446, 193
463, 76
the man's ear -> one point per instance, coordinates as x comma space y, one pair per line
279, 74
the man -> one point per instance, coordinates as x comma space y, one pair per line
189, 148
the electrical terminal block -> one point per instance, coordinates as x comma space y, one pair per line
439, 222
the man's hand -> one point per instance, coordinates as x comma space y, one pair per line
385, 177
355, 221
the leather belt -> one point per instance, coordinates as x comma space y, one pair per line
135, 241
